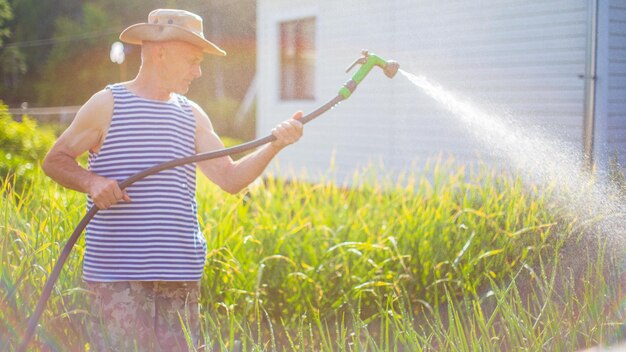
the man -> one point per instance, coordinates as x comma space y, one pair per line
145, 252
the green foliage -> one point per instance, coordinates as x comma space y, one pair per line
5, 15
22, 145
431, 263
65, 56
13, 62
74, 71
60, 52
369, 241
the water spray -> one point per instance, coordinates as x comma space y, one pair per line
367, 61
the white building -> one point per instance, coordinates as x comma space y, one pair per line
556, 64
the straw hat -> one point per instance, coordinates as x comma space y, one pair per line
168, 24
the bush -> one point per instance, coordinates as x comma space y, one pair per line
22, 145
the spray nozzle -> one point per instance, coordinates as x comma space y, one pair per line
367, 61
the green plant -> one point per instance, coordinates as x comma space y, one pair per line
22, 145
450, 260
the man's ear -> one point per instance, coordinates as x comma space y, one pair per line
153, 50
157, 50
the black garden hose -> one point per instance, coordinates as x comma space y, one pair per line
54, 275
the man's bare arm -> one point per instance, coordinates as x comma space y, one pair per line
234, 176
86, 132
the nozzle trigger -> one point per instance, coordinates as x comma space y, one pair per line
360, 60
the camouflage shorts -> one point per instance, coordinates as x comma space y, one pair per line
143, 316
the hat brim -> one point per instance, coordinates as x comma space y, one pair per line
137, 33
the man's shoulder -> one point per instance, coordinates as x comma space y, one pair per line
99, 108
101, 99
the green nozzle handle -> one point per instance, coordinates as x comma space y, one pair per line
368, 61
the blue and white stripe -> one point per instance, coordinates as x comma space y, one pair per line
156, 237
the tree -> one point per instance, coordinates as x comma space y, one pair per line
60, 51
13, 66
11, 58
5, 15
78, 64
28, 46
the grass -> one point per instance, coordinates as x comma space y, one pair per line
455, 260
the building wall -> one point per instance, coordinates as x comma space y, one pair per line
610, 105
616, 77
517, 58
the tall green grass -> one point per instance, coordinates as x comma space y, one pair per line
452, 260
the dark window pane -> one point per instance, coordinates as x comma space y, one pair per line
297, 54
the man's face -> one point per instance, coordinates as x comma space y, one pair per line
180, 64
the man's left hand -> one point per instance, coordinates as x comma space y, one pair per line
288, 132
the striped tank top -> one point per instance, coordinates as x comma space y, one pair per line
156, 237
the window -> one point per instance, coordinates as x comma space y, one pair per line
297, 52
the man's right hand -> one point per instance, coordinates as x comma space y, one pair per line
106, 192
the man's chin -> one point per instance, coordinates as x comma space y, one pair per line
183, 91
